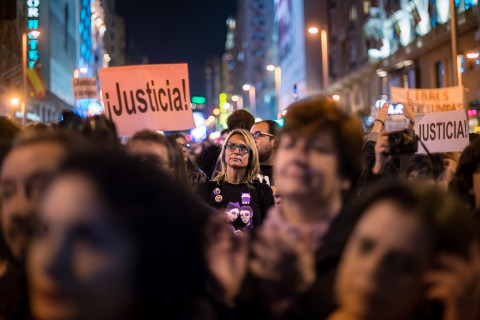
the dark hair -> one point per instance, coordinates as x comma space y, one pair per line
240, 119
98, 128
316, 115
178, 162
273, 127
152, 136
207, 158
452, 228
38, 127
225, 131
165, 223
427, 166
8, 131
468, 164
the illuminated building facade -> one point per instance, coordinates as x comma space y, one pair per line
383, 43
64, 40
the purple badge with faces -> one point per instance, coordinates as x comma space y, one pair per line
245, 198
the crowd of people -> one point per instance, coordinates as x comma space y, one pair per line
313, 220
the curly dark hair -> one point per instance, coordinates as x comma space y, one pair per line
468, 164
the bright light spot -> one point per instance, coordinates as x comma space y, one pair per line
258, 119
94, 109
235, 98
214, 135
107, 58
83, 69
473, 55
284, 112
160, 131
226, 106
246, 87
14, 101
472, 113
336, 97
211, 118
35, 33
382, 73
216, 111
280, 122
270, 67
313, 30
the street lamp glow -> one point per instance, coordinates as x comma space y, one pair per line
246, 87
313, 30
336, 97
83, 70
15, 101
472, 55
270, 67
35, 34
235, 98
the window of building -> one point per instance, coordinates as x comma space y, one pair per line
439, 75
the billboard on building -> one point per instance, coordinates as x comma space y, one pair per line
291, 38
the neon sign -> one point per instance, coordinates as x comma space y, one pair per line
32, 31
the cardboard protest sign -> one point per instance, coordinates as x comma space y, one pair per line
84, 88
442, 131
155, 97
430, 100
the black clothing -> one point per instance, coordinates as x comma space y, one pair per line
13, 295
195, 175
319, 301
266, 175
237, 199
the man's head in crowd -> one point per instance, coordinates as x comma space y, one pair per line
153, 147
24, 173
265, 134
240, 119
319, 154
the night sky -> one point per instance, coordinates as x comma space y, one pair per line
176, 31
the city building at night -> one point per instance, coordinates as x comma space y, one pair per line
63, 40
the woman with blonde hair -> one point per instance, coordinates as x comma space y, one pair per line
236, 189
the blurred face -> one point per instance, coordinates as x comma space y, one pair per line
265, 144
151, 151
246, 216
24, 174
476, 189
232, 214
236, 157
79, 263
380, 274
306, 167
184, 146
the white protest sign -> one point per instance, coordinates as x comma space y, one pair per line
442, 131
155, 97
84, 88
430, 100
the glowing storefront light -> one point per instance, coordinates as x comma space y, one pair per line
33, 15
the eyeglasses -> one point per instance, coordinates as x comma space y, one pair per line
242, 149
259, 134
185, 145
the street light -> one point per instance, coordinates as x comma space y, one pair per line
238, 101
251, 96
313, 30
278, 82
